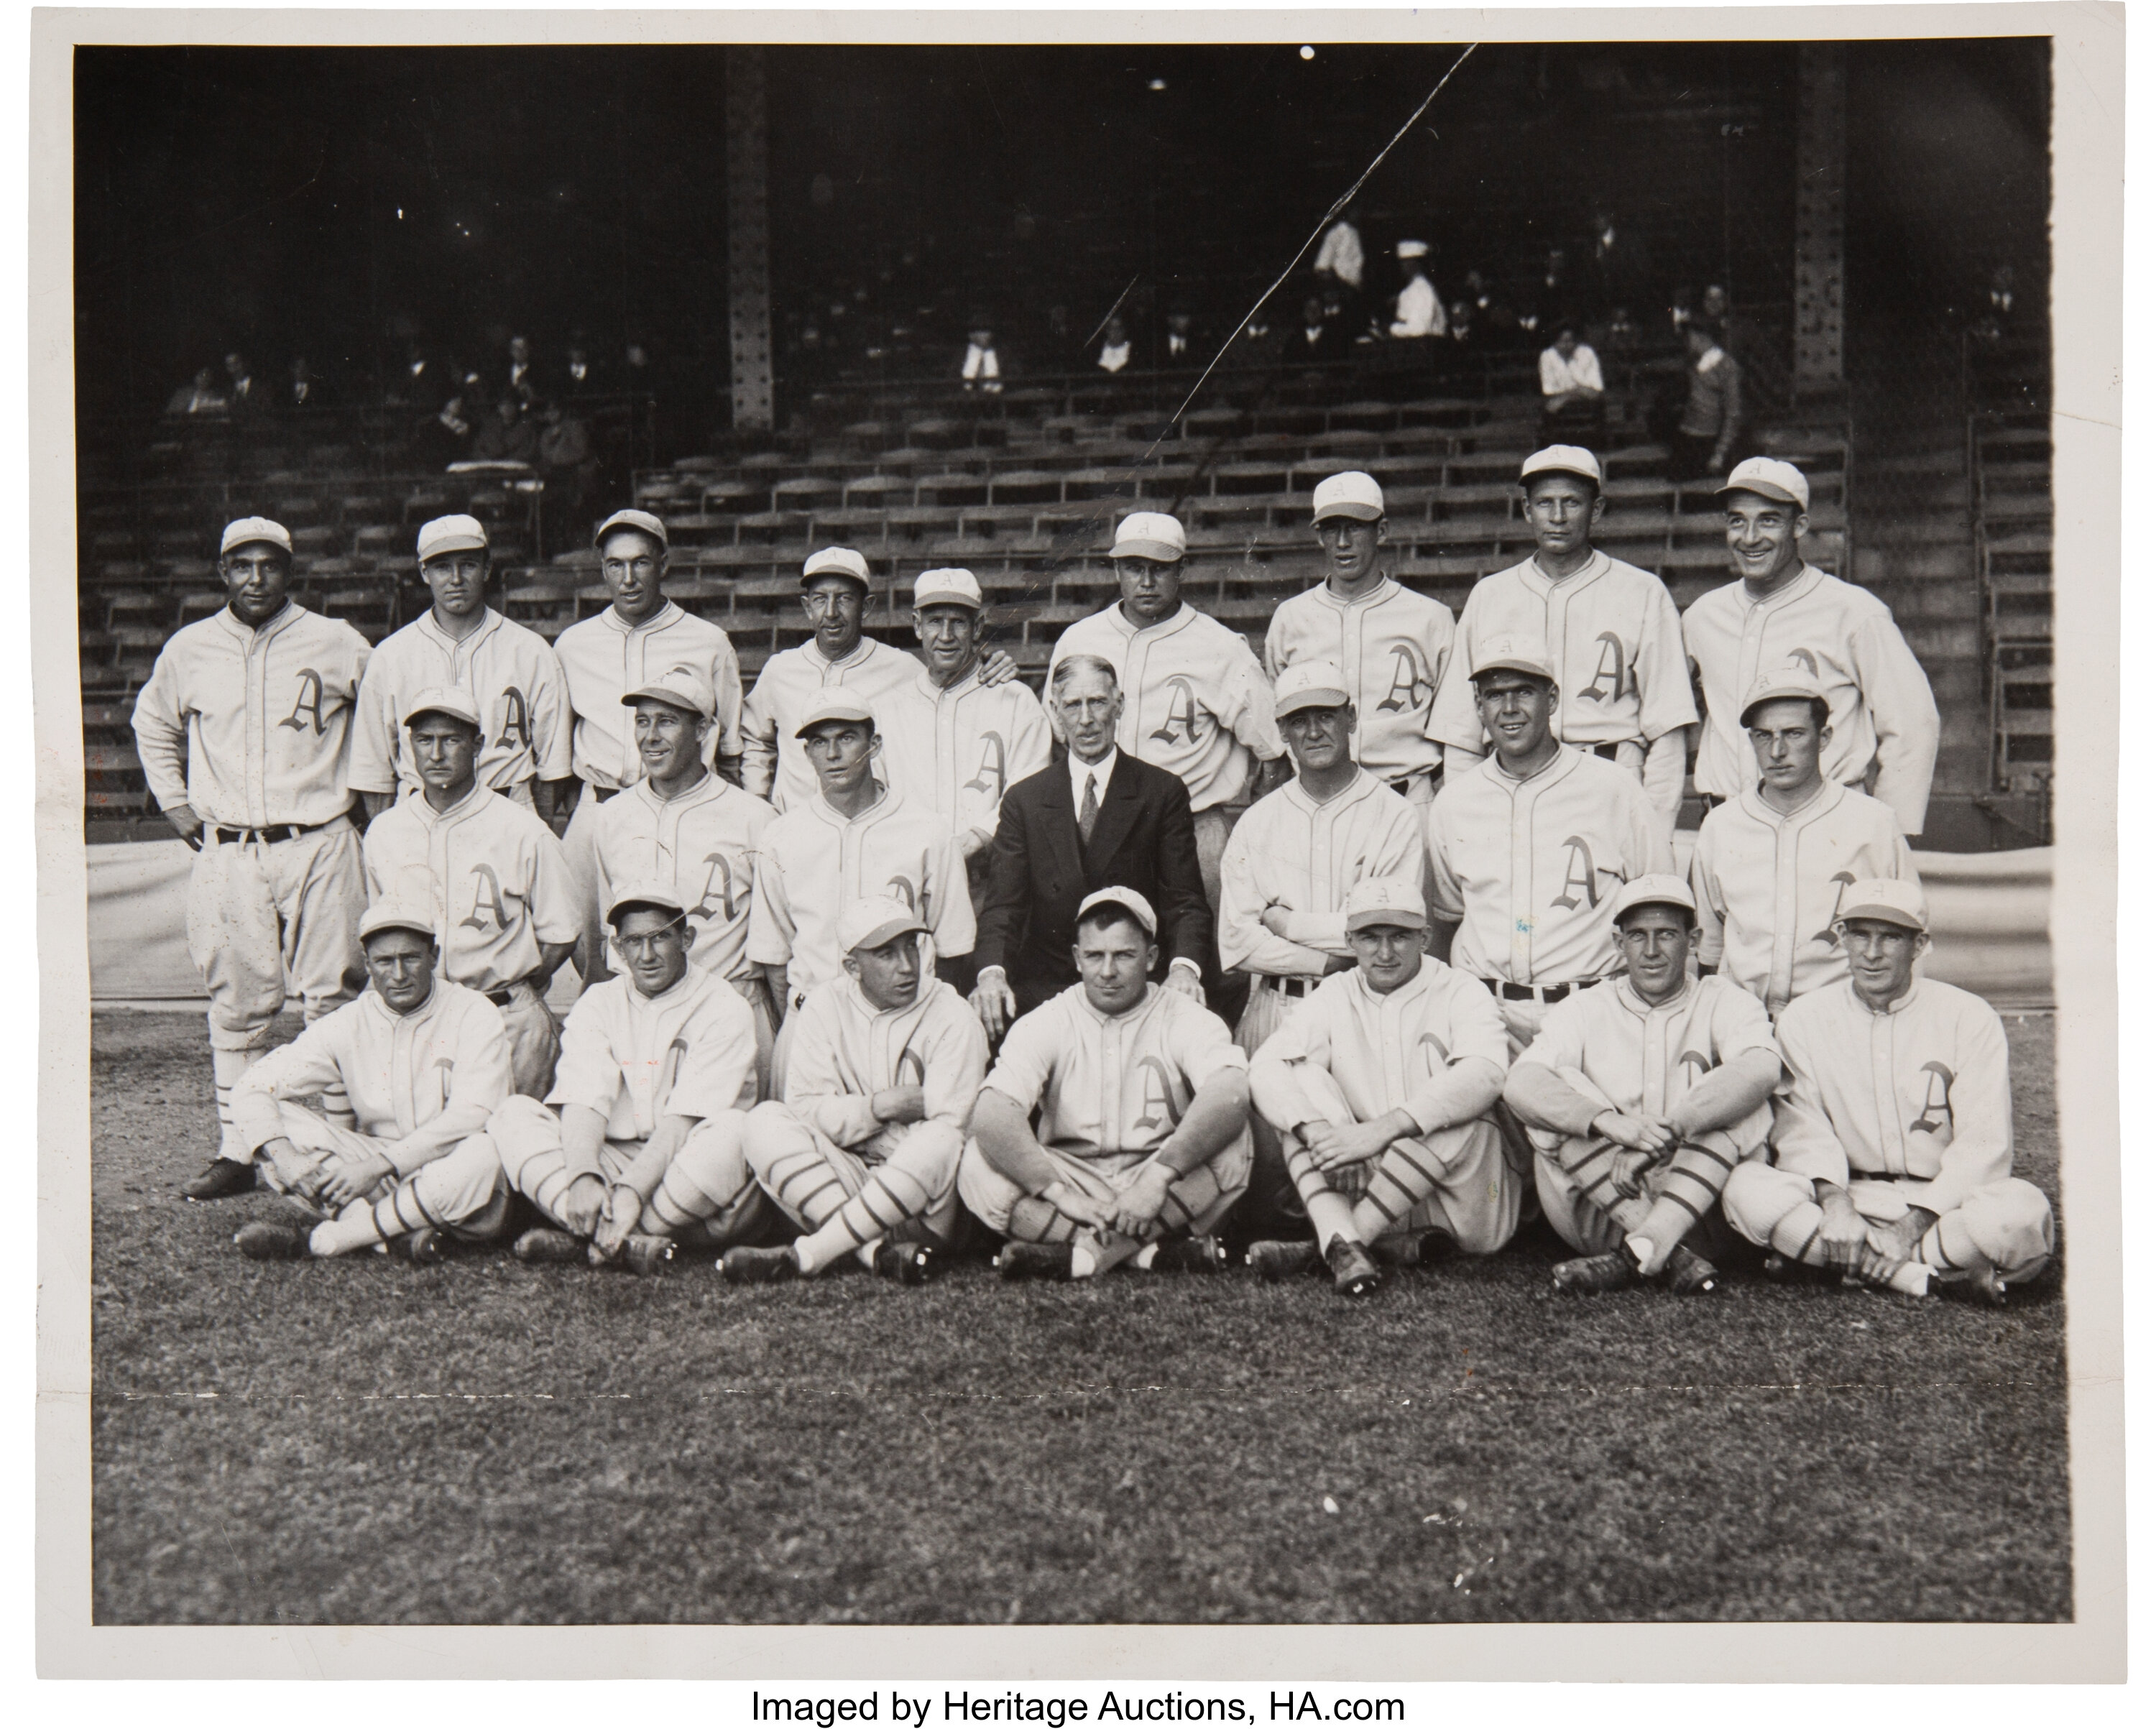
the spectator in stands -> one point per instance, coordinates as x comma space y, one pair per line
202, 397
1258, 344
1115, 347
579, 376
1316, 337
1713, 410
302, 389
982, 370
445, 438
1178, 351
420, 381
1616, 261
570, 467
1714, 306
1995, 313
1572, 386
240, 394
523, 381
1550, 297
1417, 311
507, 436
1340, 254
1621, 337
1683, 309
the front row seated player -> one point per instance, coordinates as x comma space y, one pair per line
882, 1067
638, 1145
424, 1062
1642, 1095
1115, 1125
1893, 1136
1380, 1083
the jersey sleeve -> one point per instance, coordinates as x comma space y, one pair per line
720, 1059
1982, 1149
1445, 890
588, 1073
1707, 892
815, 1083
478, 1082
1244, 942
1661, 673
160, 731
770, 926
1453, 721
556, 916
1740, 1023
1026, 1063
1543, 1088
759, 735
1032, 745
1647, 846
1903, 714
550, 718
1199, 1044
1803, 1136
954, 1062
308, 1065
950, 911
1305, 1036
374, 730
727, 685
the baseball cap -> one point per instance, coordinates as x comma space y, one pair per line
1353, 494
450, 534
1413, 249
445, 700
836, 562
948, 587
1129, 900
1886, 898
247, 528
649, 893
872, 922
1309, 684
642, 521
1562, 460
1517, 653
1385, 901
1658, 888
1792, 685
395, 915
1783, 482
1149, 534
834, 705
683, 686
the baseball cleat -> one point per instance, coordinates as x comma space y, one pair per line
1273, 1261
1411, 1249
1034, 1260
272, 1239
905, 1263
424, 1247
1978, 1285
1354, 1274
759, 1266
1690, 1274
1189, 1254
542, 1245
217, 1179
643, 1254
1611, 1271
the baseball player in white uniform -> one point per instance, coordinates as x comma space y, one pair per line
881, 1073
1641, 1098
855, 839
640, 636
1380, 1086
1117, 1114
682, 824
642, 1146
1893, 1135
244, 729
1612, 631
1783, 615
1196, 702
506, 912
1390, 643
510, 671
424, 1063
1770, 865
1527, 846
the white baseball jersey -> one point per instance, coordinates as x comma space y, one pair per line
1768, 885
1613, 637
1879, 702
1918, 1094
1111, 1089
1195, 700
510, 672
814, 861
418, 1083
687, 1052
842, 1050
774, 762
1431, 1048
1392, 645
252, 728
956, 751
1291, 852
493, 873
1530, 866
605, 656
705, 843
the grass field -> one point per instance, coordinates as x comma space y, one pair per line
363, 1441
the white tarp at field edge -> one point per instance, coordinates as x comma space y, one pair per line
1990, 916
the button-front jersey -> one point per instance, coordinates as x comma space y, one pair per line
510, 672
1392, 645
705, 843
774, 762
493, 873
687, 1052
842, 1050
1195, 700
1767, 886
1111, 1089
956, 750
253, 727
1530, 866
605, 657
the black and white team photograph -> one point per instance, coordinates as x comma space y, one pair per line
1039, 835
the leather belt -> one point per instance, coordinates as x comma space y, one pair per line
1537, 992
1405, 781
1288, 985
275, 833
1607, 750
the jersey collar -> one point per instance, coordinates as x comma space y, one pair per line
490, 620
1346, 795
666, 614
885, 805
1597, 567
862, 650
1119, 621
1818, 805
1386, 588
463, 807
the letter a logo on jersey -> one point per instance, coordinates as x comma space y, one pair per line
1696, 1063
902, 889
719, 876
1410, 689
1938, 1101
1578, 874
1162, 1101
1439, 1056
489, 897
310, 702
1805, 658
1840, 880
1185, 716
990, 777
1609, 664
909, 1070
516, 722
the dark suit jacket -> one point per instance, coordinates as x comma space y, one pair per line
1038, 873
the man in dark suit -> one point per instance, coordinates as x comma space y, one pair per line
1095, 817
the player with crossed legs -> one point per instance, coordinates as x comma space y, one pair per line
881, 1073
1641, 1098
424, 1063
1380, 1086
1117, 1117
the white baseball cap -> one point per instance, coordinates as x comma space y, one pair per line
248, 529
395, 915
1309, 684
1783, 482
1658, 888
1149, 534
1353, 494
445, 700
834, 705
872, 922
642, 521
1129, 900
451, 533
1385, 901
650, 892
948, 587
836, 562
1515, 654
1562, 460
1887, 899
1413, 249
682, 687
1792, 685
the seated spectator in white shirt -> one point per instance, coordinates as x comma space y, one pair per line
982, 371
1418, 311
1115, 347
1572, 383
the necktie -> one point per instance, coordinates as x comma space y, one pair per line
1089, 813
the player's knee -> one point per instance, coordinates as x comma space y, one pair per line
987, 1193
930, 1154
1758, 1197
714, 1156
464, 1181
770, 1133
2011, 1224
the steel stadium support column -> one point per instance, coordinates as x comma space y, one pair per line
1822, 129
748, 238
